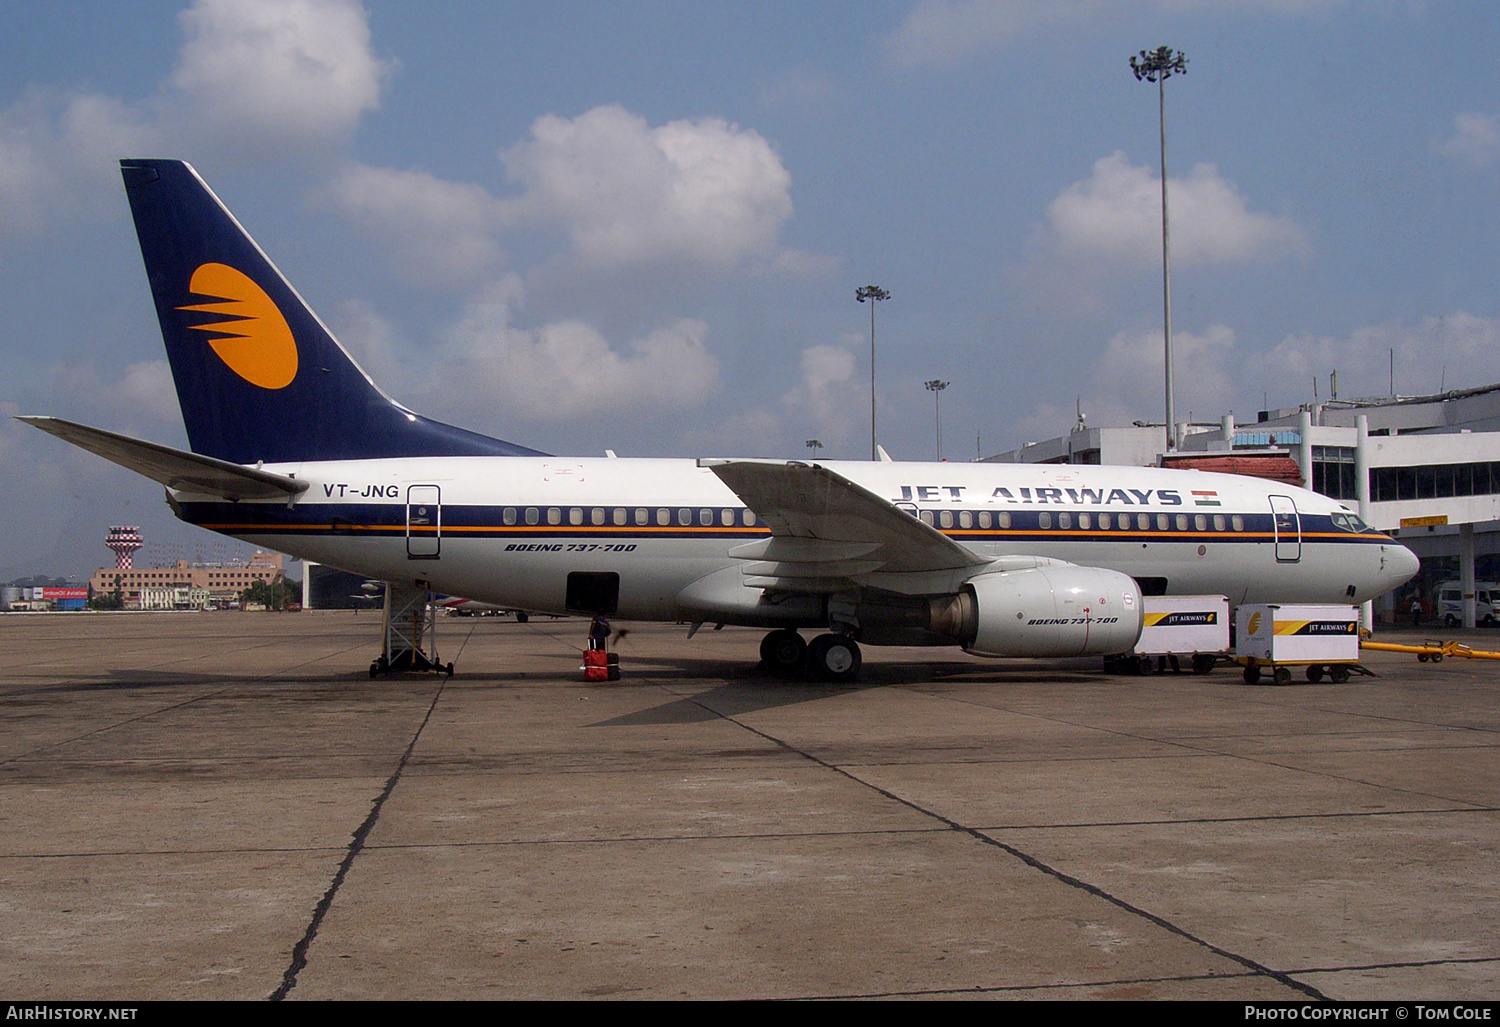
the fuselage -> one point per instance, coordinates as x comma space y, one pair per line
510, 530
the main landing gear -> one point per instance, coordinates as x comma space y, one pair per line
830, 656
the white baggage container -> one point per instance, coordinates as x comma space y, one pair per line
1324, 639
1193, 626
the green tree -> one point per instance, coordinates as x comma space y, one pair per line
273, 595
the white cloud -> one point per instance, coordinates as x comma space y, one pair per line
828, 403
438, 232
1130, 371
142, 391
625, 193
1115, 215
1455, 351
1215, 375
568, 369
1475, 141
295, 70
253, 76
59, 155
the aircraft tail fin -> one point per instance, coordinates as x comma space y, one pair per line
258, 376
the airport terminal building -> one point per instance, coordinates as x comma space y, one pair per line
187, 586
1425, 469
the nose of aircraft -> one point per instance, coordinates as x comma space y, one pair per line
1397, 565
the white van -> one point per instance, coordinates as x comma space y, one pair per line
1450, 602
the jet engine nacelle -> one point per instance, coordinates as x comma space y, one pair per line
1057, 610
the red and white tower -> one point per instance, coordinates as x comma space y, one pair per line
124, 541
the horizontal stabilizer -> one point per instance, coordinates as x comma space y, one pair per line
174, 468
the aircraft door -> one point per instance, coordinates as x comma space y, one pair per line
1288, 529
424, 522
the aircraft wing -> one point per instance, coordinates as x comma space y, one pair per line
174, 468
825, 529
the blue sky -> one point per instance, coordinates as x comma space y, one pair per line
580, 225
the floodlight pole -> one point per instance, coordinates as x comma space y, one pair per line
936, 387
1157, 66
873, 293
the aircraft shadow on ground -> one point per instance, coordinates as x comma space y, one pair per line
752, 688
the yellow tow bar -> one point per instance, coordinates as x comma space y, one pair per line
1432, 650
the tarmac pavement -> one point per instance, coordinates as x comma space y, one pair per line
217, 806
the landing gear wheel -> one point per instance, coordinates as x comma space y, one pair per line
1314, 673
1283, 676
1338, 675
522, 616
834, 657
1252, 675
782, 651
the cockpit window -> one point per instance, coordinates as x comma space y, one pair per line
1349, 522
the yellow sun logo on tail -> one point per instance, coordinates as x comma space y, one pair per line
259, 347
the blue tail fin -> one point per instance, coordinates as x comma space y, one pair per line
258, 375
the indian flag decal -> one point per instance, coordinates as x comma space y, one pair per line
1205, 497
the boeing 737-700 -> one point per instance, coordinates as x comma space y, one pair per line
294, 448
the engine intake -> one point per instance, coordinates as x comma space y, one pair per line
1062, 610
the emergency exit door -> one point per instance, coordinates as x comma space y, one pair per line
424, 522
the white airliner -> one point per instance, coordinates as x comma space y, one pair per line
294, 448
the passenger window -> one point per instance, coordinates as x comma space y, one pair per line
575, 516
533, 515
1218, 522
1181, 521
1237, 522
684, 516
620, 515
508, 515
663, 517
984, 518
1003, 518
705, 517
926, 516
1162, 522
1044, 519
1200, 522
726, 518
946, 518
750, 519
1085, 521
597, 515
965, 519
1065, 520
554, 515
1143, 522
1104, 521
642, 515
